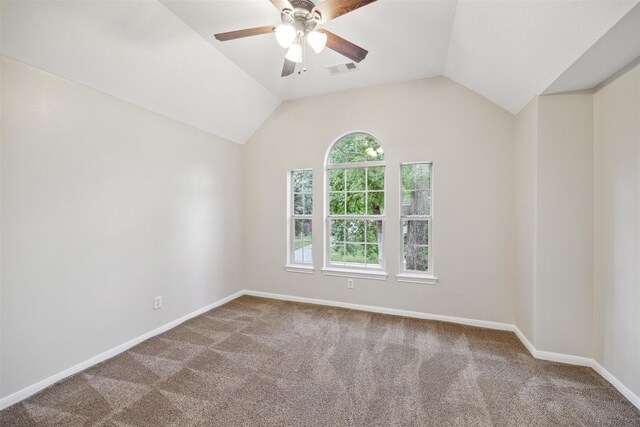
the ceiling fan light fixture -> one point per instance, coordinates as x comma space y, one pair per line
294, 54
317, 41
285, 35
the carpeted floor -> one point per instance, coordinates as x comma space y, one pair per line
258, 361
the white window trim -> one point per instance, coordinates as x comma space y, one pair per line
412, 276
291, 265
356, 273
426, 279
329, 269
300, 268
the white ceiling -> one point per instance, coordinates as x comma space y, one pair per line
620, 46
140, 52
511, 51
161, 54
406, 40
508, 51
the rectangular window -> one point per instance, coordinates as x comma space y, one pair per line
300, 217
416, 221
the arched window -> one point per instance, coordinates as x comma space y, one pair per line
355, 172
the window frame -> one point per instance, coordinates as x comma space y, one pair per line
355, 271
292, 265
413, 276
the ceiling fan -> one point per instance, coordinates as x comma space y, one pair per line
300, 20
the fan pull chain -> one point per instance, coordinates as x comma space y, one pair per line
303, 68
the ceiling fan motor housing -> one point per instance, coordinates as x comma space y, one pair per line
303, 18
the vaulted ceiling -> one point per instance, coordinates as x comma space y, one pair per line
161, 55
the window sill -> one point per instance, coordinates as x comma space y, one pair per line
417, 278
299, 268
356, 274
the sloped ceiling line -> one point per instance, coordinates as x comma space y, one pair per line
142, 53
161, 54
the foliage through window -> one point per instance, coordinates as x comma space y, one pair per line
300, 244
355, 185
415, 217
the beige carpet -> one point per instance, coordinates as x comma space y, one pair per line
257, 361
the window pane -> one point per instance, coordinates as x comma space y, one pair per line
375, 203
416, 240
422, 262
302, 248
372, 254
418, 259
336, 179
408, 177
338, 230
374, 229
375, 178
356, 147
302, 181
303, 229
409, 262
423, 175
337, 253
356, 179
336, 203
354, 253
416, 186
416, 176
297, 181
416, 232
298, 208
308, 204
355, 204
355, 231
416, 202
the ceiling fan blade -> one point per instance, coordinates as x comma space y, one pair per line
282, 4
289, 67
238, 34
344, 47
331, 9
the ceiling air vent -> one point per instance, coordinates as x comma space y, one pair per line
342, 68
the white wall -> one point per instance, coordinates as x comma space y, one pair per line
104, 206
553, 179
525, 170
564, 288
470, 141
617, 228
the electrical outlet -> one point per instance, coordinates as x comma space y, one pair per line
350, 283
157, 302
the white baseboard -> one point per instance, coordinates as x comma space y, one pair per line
375, 309
633, 398
543, 355
32, 389
550, 356
538, 354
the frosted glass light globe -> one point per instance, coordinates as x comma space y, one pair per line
285, 35
317, 41
294, 53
